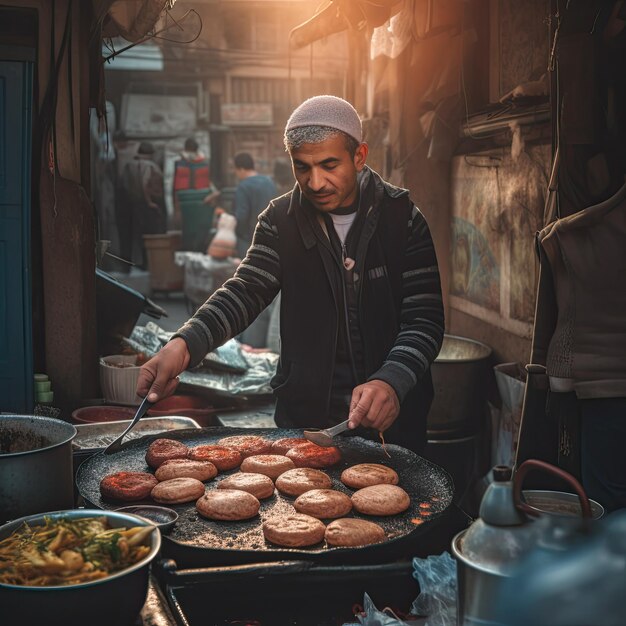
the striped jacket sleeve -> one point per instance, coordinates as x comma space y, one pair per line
421, 316
233, 307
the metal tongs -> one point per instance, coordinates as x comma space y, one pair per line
116, 445
324, 437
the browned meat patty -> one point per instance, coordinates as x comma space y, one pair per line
177, 491
293, 531
127, 486
368, 474
296, 481
272, 465
247, 445
161, 450
381, 500
281, 446
311, 455
228, 504
350, 532
186, 468
323, 503
259, 485
222, 457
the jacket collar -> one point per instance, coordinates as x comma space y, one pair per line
373, 190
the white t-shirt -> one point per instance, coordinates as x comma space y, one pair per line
342, 225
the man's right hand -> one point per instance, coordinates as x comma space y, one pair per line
158, 378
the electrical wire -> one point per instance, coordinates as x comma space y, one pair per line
156, 35
197, 35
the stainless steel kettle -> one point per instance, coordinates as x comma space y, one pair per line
489, 550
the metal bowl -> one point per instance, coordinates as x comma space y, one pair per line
161, 516
116, 599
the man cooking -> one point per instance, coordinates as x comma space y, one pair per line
361, 316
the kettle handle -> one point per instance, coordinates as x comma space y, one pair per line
534, 464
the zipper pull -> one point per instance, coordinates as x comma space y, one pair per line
348, 263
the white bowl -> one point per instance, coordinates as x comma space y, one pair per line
119, 383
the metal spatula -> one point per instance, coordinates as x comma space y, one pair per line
116, 445
324, 437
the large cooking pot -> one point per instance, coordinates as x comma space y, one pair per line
35, 465
460, 373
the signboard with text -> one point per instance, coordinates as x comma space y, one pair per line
247, 114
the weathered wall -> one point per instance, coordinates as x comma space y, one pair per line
497, 207
498, 201
429, 72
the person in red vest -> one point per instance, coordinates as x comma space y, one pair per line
191, 173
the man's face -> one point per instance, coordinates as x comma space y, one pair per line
326, 173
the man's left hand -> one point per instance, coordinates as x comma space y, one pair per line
374, 404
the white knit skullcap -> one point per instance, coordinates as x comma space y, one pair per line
328, 111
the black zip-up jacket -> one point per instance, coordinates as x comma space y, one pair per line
399, 304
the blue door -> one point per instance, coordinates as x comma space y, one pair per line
16, 359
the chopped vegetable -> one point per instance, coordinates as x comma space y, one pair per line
67, 551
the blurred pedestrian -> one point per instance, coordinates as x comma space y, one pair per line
194, 197
144, 211
253, 194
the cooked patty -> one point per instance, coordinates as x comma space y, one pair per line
281, 446
177, 491
127, 486
186, 468
161, 450
296, 481
350, 532
311, 455
272, 465
381, 500
294, 530
368, 474
259, 485
228, 504
323, 503
222, 457
247, 445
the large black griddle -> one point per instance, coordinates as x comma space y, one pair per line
196, 541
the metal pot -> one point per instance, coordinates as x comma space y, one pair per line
35, 465
114, 600
460, 374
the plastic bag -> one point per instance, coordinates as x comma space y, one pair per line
226, 372
226, 358
437, 599
374, 617
510, 378
223, 244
